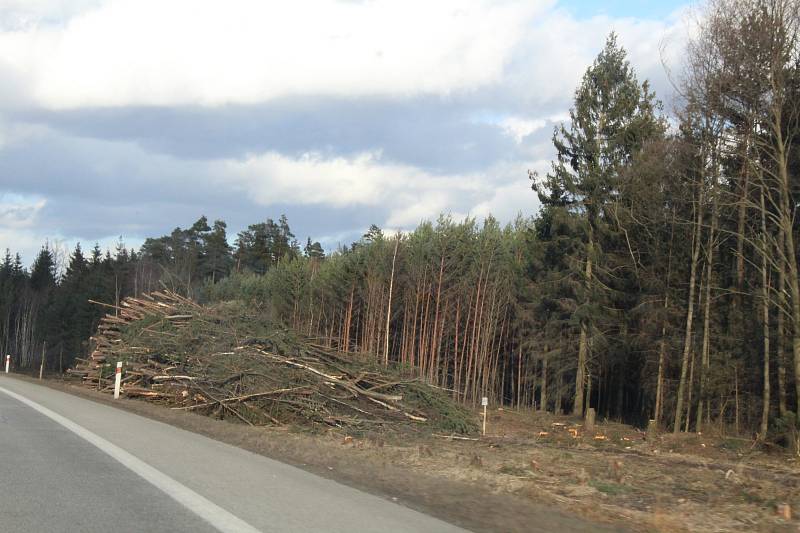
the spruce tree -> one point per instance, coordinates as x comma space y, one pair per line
43, 273
612, 117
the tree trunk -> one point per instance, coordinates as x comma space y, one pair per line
583, 346
765, 318
705, 358
662, 350
544, 382
389, 306
590, 420
736, 396
687, 339
794, 281
559, 385
689, 400
740, 227
435, 343
662, 346
781, 333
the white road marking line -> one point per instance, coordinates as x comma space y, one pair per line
212, 513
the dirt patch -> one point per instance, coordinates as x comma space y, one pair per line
535, 472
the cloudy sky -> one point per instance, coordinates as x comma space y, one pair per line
130, 117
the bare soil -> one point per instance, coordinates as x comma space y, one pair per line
536, 472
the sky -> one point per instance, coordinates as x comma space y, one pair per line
127, 118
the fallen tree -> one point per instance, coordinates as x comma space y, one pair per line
228, 361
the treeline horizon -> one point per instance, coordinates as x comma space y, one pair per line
52, 306
659, 280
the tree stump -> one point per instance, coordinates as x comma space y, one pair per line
652, 431
590, 419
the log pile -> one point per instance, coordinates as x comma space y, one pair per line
228, 361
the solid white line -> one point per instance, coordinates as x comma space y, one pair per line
207, 510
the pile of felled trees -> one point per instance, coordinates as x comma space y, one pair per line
228, 361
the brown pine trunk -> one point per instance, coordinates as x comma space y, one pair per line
389, 305
441, 362
404, 333
456, 352
424, 341
434, 349
475, 337
462, 379
494, 361
349, 320
413, 339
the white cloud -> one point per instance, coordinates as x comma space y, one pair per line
27, 14
27, 242
512, 194
555, 51
204, 51
24, 242
408, 194
17, 211
519, 128
513, 64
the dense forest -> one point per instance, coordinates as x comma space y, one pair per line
659, 280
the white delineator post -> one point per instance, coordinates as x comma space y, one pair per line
41, 367
8, 362
117, 379
484, 403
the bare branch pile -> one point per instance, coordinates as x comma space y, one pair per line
227, 361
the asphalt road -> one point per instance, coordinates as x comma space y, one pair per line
69, 464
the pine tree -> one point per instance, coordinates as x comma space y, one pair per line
313, 249
217, 260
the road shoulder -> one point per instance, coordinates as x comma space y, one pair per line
367, 466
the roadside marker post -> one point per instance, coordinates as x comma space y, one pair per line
117, 379
41, 367
8, 362
484, 403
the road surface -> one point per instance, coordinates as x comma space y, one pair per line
70, 464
